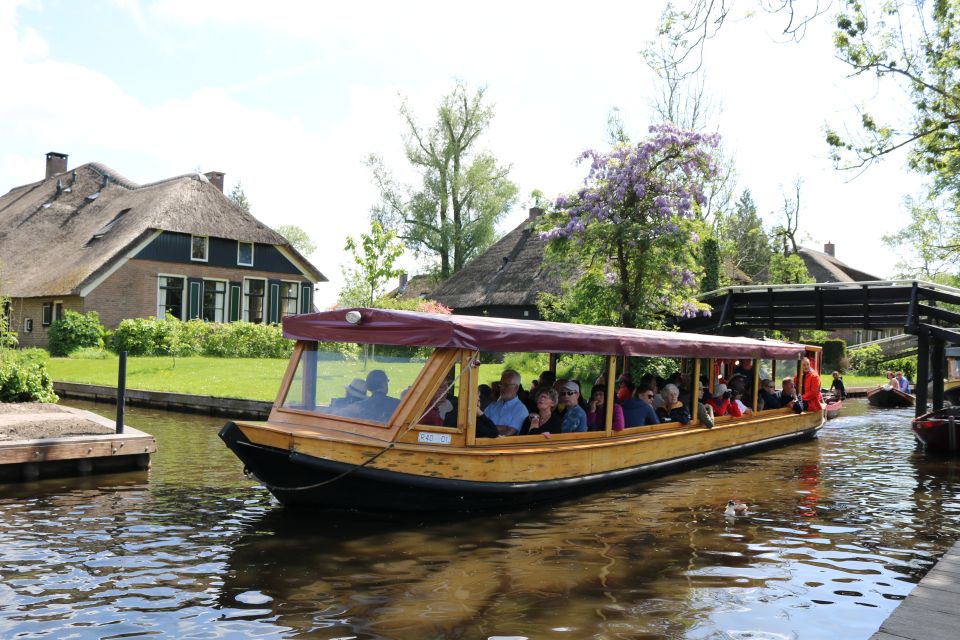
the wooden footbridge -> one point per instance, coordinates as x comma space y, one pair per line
931, 312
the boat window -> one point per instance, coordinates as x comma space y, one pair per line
442, 409
365, 382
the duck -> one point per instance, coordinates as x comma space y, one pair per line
735, 508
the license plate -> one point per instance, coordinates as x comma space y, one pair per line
434, 438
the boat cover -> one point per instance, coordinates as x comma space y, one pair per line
412, 328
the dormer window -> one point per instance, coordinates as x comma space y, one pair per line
199, 248
245, 254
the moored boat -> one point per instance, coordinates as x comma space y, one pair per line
888, 397
399, 452
939, 430
832, 405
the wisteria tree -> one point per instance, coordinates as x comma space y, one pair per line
634, 221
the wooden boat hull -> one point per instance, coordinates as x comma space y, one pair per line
832, 409
939, 430
405, 479
884, 397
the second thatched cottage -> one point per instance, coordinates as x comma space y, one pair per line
91, 240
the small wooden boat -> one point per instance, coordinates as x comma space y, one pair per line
888, 397
939, 430
395, 453
832, 405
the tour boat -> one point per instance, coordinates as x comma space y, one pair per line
887, 396
388, 451
939, 430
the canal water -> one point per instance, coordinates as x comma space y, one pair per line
839, 530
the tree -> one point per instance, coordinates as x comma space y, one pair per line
634, 221
746, 244
927, 240
786, 233
374, 259
297, 237
239, 197
452, 214
789, 268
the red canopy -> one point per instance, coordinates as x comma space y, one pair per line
411, 328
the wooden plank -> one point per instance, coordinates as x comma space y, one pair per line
76, 447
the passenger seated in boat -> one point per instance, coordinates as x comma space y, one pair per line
837, 386
891, 382
356, 391
484, 395
902, 383
574, 418
673, 410
722, 404
767, 396
545, 419
507, 412
625, 386
736, 400
788, 394
433, 416
597, 411
638, 410
379, 406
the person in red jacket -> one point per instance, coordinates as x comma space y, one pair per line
811, 387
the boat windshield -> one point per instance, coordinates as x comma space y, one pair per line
365, 382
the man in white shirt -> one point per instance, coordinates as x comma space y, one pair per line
507, 411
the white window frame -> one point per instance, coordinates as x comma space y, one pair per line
253, 248
296, 306
245, 295
53, 312
44, 309
184, 297
28, 325
206, 249
225, 307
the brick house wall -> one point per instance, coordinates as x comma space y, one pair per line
22, 309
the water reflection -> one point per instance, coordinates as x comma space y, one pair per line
839, 530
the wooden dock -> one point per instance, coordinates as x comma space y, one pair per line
70, 448
932, 610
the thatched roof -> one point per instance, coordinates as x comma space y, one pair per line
47, 244
415, 288
825, 268
510, 273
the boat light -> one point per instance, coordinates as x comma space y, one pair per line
354, 317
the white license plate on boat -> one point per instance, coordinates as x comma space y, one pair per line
434, 438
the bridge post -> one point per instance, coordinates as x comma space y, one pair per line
923, 370
937, 356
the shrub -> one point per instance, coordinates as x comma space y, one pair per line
90, 353
24, 377
908, 365
74, 331
867, 361
152, 337
834, 353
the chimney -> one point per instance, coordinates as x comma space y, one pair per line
830, 249
535, 212
56, 163
403, 282
216, 179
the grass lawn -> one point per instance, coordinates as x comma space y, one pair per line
851, 380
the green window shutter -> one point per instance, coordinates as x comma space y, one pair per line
273, 306
235, 289
196, 298
306, 304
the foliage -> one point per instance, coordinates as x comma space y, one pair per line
746, 245
239, 198
907, 364
924, 245
298, 238
588, 299
375, 259
867, 361
152, 337
408, 304
788, 269
74, 331
834, 353
8, 337
635, 219
451, 215
24, 377
710, 257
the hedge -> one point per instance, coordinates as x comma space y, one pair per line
171, 337
834, 352
75, 331
24, 377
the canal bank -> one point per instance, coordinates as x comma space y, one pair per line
932, 609
168, 401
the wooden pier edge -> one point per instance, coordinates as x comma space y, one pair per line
931, 611
184, 402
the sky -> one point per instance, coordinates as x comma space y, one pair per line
289, 97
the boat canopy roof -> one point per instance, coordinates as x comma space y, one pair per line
477, 333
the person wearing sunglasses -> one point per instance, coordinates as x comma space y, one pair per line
574, 417
638, 411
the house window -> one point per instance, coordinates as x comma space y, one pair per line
245, 254
254, 298
57, 311
170, 298
28, 325
289, 298
214, 298
199, 246
46, 314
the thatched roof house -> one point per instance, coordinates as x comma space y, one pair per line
75, 232
505, 280
824, 266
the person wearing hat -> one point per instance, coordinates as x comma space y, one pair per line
379, 406
721, 403
574, 417
356, 391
